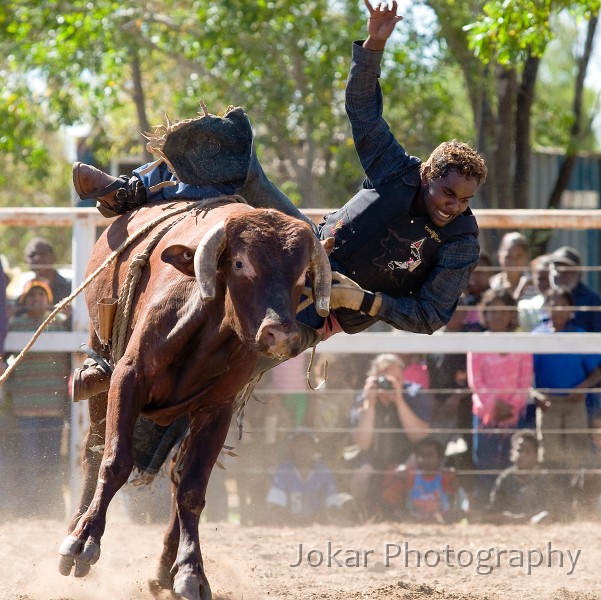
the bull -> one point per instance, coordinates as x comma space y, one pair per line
219, 293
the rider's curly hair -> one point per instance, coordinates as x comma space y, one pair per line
457, 156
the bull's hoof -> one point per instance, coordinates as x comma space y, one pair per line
73, 551
187, 587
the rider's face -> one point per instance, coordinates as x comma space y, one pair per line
445, 198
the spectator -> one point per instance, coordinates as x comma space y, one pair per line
37, 400
427, 492
388, 417
478, 284
531, 311
258, 450
571, 375
523, 492
500, 385
566, 271
513, 256
416, 369
303, 490
452, 401
289, 379
40, 257
330, 407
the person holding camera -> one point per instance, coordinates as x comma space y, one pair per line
388, 417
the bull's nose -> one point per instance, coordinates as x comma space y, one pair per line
278, 340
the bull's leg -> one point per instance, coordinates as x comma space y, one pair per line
92, 455
82, 547
206, 441
164, 579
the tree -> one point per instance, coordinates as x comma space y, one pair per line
513, 36
120, 66
92, 59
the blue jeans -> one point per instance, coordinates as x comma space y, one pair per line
160, 173
490, 452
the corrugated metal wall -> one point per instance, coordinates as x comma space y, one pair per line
586, 176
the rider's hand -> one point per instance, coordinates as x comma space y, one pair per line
380, 24
346, 293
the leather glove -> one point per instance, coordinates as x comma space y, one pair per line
347, 293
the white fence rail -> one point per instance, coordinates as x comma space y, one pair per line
84, 222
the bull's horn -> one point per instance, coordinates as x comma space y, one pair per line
205, 260
321, 278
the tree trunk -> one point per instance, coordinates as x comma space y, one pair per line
565, 172
504, 135
524, 100
139, 99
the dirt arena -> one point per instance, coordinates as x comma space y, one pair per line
374, 562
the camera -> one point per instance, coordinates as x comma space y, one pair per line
384, 383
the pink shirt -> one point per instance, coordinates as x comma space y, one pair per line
506, 377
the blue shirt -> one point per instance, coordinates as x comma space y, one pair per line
563, 371
586, 319
306, 497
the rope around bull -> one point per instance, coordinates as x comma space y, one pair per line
128, 288
66, 301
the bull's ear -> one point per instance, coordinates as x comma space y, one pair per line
328, 244
181, 257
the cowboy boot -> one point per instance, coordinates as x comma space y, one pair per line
89, 381
114, 195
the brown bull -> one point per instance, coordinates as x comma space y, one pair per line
220, 291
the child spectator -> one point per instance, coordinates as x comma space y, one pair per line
523, 492
478, 284
303, 490
416, 369
500, 385
41, 259
571, 375
426, 492
531, 311
513, 256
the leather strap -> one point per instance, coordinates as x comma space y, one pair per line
367, 302
102, 363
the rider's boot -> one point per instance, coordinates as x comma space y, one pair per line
114, 195
89, 381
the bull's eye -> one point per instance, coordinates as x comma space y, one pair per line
188, 255
238, 264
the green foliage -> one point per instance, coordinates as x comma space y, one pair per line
511, 30
553, 113
285, 63
66, 62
